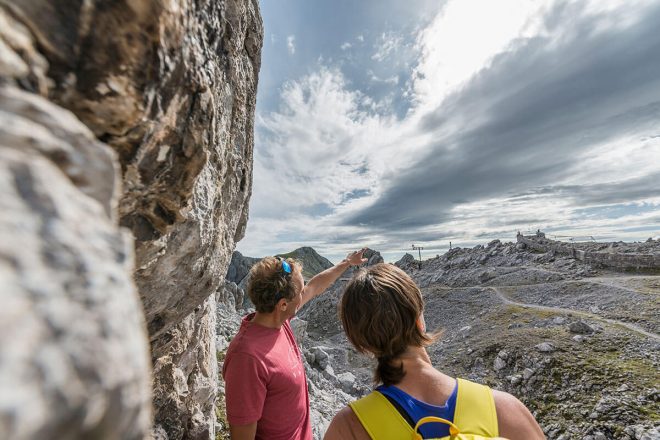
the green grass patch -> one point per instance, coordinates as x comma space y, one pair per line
220, 414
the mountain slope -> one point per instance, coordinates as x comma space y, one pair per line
312, 262
578, 343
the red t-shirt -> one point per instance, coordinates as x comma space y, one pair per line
265, 382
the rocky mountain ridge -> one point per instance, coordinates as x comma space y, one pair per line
577, 343
312, 263
237, 278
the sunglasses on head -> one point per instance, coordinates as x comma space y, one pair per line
286, 268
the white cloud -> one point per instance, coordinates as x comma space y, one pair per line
325, 143
329, 141
638, 155
463, 38
466, 35
388, 43
291, 44
319, 122
392, 80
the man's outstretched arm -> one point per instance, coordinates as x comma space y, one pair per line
323, 280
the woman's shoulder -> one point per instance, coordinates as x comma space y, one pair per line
346, 426
514, 419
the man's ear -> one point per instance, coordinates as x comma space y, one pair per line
421, 325
282, 304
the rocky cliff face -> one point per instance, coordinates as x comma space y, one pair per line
75, 360
159, 96
239, 267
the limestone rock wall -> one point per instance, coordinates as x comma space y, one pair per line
170, 86
185, 379
74, 357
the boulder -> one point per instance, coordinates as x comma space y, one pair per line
545, 347
321, 358
406, 261
499, 364
373, 257
347, 381
515, 379
581, 327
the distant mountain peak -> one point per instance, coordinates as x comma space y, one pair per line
312, 262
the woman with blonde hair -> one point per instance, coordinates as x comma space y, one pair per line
382, 314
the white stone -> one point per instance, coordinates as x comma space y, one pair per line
545, 347
499, 364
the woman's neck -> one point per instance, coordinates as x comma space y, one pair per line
422, 380
417, 356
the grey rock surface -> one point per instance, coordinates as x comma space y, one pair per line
185, 378
171, 87
239, 267
74, 361
180, 115
230, 295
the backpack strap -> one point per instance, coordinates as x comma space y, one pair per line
380, 419
453, 429
475, 409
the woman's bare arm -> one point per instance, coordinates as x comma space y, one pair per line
346, 426
514, 419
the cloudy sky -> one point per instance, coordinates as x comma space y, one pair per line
384, 123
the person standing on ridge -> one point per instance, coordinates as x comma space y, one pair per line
382, 314
265, 383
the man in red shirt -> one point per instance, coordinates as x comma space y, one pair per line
265, 383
